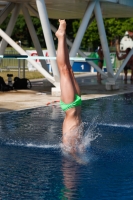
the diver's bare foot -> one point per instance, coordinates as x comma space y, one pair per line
62, 29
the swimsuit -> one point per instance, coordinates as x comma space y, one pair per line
101, 61
76, 102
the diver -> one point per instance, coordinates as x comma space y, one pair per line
70, 95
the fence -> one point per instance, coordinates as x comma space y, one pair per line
16, 64
10, 64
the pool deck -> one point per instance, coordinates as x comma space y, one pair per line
40, 95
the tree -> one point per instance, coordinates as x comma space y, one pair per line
114, 27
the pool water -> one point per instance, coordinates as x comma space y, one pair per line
33, 166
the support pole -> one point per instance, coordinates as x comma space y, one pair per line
19, 68
82, 29
10, 27
124, 64
23, 68
52, 27
103, 39
70, 44
22, 52
4, 13
34, 36
48, 37
93, 64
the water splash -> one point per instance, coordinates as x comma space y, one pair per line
82, 153
32, 145
91, 133
116, 125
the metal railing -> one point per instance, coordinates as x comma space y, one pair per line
10, 64
7, 63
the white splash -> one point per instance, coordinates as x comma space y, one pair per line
44, 146
81, 151
116, 125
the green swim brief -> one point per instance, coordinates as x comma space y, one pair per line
76, 102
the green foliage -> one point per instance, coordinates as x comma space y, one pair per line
4, 25
114, 27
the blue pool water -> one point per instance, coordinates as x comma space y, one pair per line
33, 166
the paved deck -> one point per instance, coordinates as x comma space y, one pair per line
40, 95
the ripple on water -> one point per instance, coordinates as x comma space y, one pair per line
33, 165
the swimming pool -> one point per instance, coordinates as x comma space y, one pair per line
32, 165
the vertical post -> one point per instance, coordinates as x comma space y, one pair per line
124, 64
19, 67
103, 39
48, 36
68, 41
82, 29
4, 13
10, 27
23, 68
34, 36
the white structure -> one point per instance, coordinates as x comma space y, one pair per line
126, 42
86, 10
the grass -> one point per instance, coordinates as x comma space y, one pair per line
28, 74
